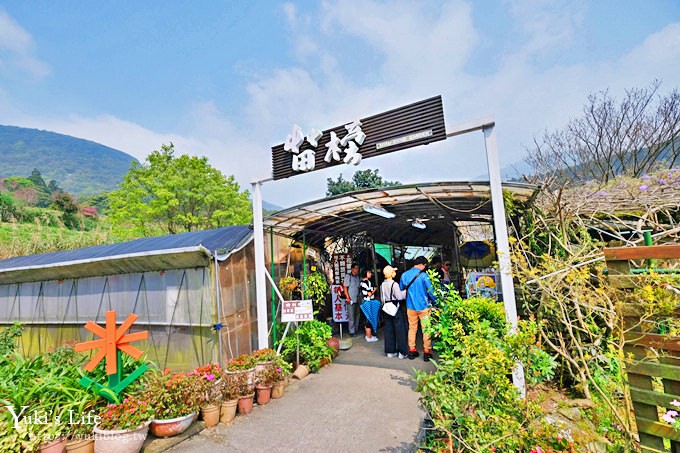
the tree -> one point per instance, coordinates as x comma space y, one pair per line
362, 179
64, 202
632, 137
168, 194
44, 194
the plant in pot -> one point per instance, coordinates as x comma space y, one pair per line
230, 395
283, 370
123, 427
287, 285
311, 337
316, 286
245, 393
265, 381
243, 364
262, 358
80, 438
206, 381
175, 403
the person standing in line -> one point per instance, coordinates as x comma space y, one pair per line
367, 291
419, 297
351, 285
396, 342
446, 268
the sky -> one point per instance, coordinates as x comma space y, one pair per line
229, 79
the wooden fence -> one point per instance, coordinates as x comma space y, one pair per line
654, 369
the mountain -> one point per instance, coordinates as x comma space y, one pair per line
512, 172
79, 166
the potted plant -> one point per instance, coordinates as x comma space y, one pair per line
175, 403
265, 381
288, 285
316, 287
230, 396
311, 338
244, 363
123, 427
283, 370
245, 393
206, 381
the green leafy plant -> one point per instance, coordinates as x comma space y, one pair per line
283, 368
316, 287
311, 337
287, 285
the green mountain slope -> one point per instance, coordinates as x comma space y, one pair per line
81, 167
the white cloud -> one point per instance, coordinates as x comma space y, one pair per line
16, 48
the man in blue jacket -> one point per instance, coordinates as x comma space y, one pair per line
419, 296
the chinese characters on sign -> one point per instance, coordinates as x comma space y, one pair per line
342, 263
349, 145
297, 310
339, 304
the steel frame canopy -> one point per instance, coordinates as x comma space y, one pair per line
397, 129
439, 205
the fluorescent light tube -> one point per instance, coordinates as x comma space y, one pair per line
378, 210
419, 224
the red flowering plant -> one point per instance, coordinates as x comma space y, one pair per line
241, 363
264, 355
206, 382
172, 395
130, 414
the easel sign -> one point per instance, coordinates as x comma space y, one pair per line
297, 310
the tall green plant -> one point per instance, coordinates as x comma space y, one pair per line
311, 337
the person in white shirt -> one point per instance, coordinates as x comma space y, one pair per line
396, 328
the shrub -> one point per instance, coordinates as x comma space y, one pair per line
311, 337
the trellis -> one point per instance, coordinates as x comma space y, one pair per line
655, 355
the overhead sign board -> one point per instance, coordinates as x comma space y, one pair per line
307, 148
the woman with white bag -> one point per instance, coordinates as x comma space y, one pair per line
396, 327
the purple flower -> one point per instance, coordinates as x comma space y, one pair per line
644, 187
278, 370
670, 416
210, 376
675, 403
661, 181
646, 177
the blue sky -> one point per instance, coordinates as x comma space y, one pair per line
229, 79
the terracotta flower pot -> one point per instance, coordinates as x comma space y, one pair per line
323, 362
120, 441
210, 415
245, 404
335, 344
171, 427
228, 411
260, 366
80, 446
264, 394
85, 445
277, 390
300, 372
54, 446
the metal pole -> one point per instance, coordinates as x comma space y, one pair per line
271, 247
502, 243
219, 309
304, 264
260, 282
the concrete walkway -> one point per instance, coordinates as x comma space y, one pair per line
363, 402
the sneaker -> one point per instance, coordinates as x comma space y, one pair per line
402, 356
392, 355
412, 355
427, 356
371, 339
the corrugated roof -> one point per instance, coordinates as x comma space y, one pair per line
156, 253
438, 204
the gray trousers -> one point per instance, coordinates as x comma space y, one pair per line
353, 316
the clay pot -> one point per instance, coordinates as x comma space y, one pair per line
120, 441
228, 411
80, 446
245, 404
171, 427
264, 394
300, 372
210, 415
323, 362
54, 446
335, 344
277, 390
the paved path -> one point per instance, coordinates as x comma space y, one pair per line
363, 402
